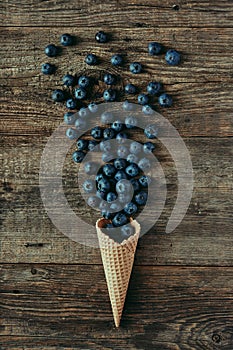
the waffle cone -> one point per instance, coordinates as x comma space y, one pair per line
118, 261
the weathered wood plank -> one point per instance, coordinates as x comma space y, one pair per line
166, 308
117, 13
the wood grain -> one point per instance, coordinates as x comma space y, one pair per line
166, 308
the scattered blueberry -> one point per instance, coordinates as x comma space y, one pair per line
120, 163
121, 137
107, 214
91, 59
151, 131
109, 79
116, 60
89, 186
71, 103
172, 57
71, 134
165, 100
69, 118
97, 132
143, 99
120, 175
92, 145
154, 87
68, 80
119, 220
135, 184
66, 40
109, 170
135, 67
80, 93
148, 147
132, 170
141, 198
51, 50
108, 133
130, 89
109, 95
99, 177
48, 68
117, 125
111, 196
58, 95
82, 144
144, 180
83, 81
78, 156
130, 208
154, 48
104, 185
101, 37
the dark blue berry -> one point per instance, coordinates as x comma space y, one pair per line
127, 231
107, 117
131, 122
135, 184
68, 80
109, 170
119, 220
109, 79
97, 132
116, 60
122, 151
89, 186
132, 158
78, 156
71, 103
154, 87
71, 134
151, 131
135, 67
99, 177
92, 145
104, 185
93, 107
172, 57
121, 137
58, 95
140, 198
83, 81
111, 196
82, 144
144, 180
147, 110
93, 201
69, 118
117, 125
80, 124
165, 100
154, 48
120, 163
108, 133
130, 208
66, 39
148, 147
51, 50
132, 170
91, 59
48, 68
135, 147
144, 164
109, 95
130, 89
107, 214
120, 175
80, 93
90, 168
143, 99
101, 37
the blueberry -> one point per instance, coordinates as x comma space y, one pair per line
104, 185
80, 93
130, 208
83, 81
80, 124
83, 112
48, 68
101, 37
147, 110
123, 186
124, 198
92, 145
109, 170
121, 137
89, 186
154, 48
91, 59
132, 158
111, 196
144, 164
93, 107
107, 214
172, 57
120, 175
116, 60
131, 122
128, 106
68, 80
165, 100
97, 132
109, 79
71, 134
108, 133
132, 170
120, 163
69, 118
90, 168
122, 151
106, 117
71, 103
135, 184
127, 231
107, 156
93, 201
58, 95
144, 180
66, 40
112, 182
78, 156
143, 99
119, 220
151, 131
135, 147
109, 95
141, 198
51, 50
130, 89
117, 125
105, 146
154, 87
135, 67
148, 147
82, 144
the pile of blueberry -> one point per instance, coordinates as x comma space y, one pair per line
119, 188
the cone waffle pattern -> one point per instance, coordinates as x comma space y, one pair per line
118, 261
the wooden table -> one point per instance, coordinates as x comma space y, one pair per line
53, 291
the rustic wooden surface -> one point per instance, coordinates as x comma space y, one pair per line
53, 292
